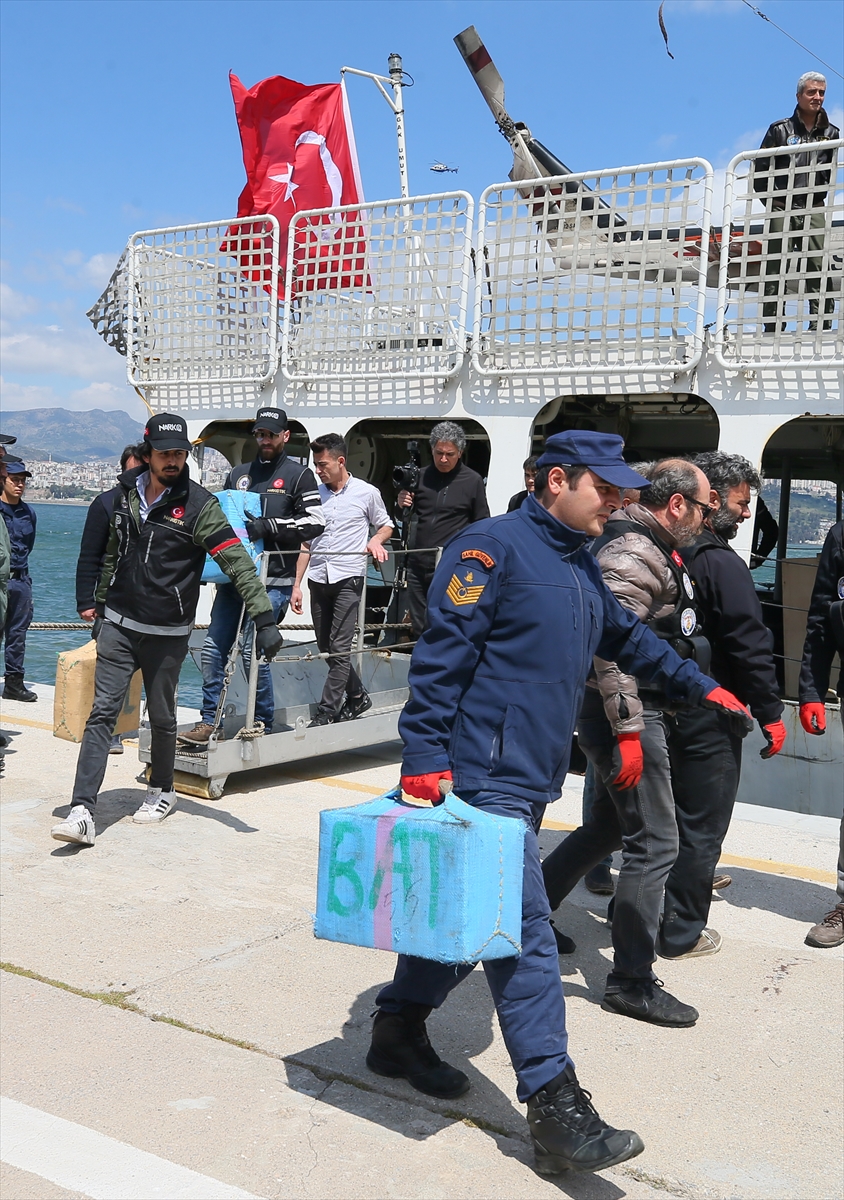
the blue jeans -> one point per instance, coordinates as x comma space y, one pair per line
216, 648
588, 806
527, 990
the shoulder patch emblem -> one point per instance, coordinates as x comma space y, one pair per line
278, 483
243, 483
481, 556
464, 591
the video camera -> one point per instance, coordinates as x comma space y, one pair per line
406, 477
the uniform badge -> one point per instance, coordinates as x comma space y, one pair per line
689, 586
794, 140
688, 621
178, 512
464, 591
481, 556
278, 483
243, 483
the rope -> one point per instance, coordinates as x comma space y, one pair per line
759, 13
55, 625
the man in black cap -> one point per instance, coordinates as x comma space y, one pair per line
517, 609
162, 526
291, 513
20, 521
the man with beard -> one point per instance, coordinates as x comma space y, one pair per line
706, 754
622, 731
162, 526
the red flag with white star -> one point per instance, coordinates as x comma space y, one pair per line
299, 153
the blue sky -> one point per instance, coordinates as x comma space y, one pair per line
118, 117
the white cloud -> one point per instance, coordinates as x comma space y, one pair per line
72, 270
836, 115
14, 305
104, 395
46, 350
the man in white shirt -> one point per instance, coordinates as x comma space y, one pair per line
336, 563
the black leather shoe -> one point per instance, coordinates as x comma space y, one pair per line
565, 945
647, 1000
14, 688
321, 717
599, 880
568, 1134
355, 706
401, 1049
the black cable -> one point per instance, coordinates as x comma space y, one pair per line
759, 13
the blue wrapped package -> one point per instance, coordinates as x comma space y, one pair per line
442, 883
239, 507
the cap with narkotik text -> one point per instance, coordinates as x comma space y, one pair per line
272, 419
600, 452
167, 432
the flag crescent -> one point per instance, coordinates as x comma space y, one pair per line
332, 174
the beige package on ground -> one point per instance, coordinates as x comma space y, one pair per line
74, 697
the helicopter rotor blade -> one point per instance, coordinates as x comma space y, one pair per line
486, 76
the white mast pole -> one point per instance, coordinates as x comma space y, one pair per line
396, 103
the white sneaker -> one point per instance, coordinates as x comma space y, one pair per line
78, 826
156, 807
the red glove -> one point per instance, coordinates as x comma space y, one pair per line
724, 701
426, 787
632, 761
813, 717
774, 736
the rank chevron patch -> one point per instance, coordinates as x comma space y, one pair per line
460, 593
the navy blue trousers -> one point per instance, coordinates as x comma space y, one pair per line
18, 620
527, 990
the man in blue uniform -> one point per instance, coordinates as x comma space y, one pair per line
517, 610
20, 523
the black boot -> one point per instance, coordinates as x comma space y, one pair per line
14, 688
565, 944
401, 1050
647, 1000
567, 1133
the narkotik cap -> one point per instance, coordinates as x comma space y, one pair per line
16, 466
274, 419
166, 432
600, 452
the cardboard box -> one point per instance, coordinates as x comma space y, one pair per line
74, 696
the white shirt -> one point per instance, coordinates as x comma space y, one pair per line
349, 513
141, 484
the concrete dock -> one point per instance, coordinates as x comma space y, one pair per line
172, 1028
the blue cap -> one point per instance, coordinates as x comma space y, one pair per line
16, 466
600, 452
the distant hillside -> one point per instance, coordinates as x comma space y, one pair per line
70, 436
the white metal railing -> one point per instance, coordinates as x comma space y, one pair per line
202, 303
599, 270
782, 254
378, 290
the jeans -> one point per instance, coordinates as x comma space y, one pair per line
120, 653
587, 805
420, 572
705, 757
18, 620
527, 989
640, 821
334, 607
219, 640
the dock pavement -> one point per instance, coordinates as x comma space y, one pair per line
171, 1027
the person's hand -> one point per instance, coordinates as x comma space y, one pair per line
405, 499
775, 735
632, 761
97, 626
88, 614
296, 600
813, 717
378, 550
258, 529
426, 787
268, 642
723, 701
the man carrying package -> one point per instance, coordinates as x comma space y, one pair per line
162, 526
517, 611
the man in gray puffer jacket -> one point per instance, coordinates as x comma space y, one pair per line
622, 732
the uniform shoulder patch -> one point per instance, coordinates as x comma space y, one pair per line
481, 556
464, 591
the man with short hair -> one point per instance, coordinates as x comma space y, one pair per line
449, 497
20, 521
518, 609
162, 526
529, 468
290, 514
704, 748
336, 564
622, 731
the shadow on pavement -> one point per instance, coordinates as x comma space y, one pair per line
797, 899
121, 803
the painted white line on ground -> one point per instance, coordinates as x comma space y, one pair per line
83, 1160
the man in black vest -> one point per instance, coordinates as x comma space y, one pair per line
162, 526
622, 731
706, 754
291, 513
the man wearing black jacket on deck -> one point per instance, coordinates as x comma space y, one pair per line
706, 754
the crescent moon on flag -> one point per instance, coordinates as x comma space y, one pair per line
332, 174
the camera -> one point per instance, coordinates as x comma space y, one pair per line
406, 477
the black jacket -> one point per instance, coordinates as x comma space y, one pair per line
791, 132
92, 549
742, 645
517, 500
290, 499
820, 646
444, 503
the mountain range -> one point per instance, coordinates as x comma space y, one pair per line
70, 436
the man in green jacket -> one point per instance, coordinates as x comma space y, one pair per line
162, 526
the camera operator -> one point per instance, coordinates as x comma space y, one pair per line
448, 497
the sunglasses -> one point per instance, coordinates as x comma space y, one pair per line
705, 509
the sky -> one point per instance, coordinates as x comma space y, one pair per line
117, 116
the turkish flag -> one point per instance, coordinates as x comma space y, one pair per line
299, 153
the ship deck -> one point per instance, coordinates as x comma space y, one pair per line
165, 997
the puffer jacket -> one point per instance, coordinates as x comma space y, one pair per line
637, 574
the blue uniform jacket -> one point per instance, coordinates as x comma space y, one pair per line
20, 522
517, 609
